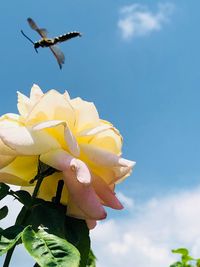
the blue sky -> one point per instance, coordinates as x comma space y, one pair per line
138, 61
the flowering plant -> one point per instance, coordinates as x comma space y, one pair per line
67, 161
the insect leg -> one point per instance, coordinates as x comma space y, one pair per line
27, 37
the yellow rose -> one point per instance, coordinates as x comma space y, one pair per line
68, 135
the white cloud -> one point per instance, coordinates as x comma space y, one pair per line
138, 20
126, 201
146, 237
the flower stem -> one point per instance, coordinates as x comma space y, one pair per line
8, 256
57, 198
39, 178
37, 187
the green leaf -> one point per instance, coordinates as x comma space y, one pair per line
49, 250
91, 260
182, 251
4, 190
177, 264
3, 212
9, 237
198, 262
77, 233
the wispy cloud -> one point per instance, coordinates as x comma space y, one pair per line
138, 20
146, 237
126, 201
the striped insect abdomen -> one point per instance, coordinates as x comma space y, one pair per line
66, 37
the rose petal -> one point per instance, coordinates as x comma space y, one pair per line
58, 159
74, 211
81, 171
6, 151
94, 131
91, 224
52, 106
23, 104
71, 142
122, 172
66, 95
48, 124
61, 160
86, 114
69, 137
11, 119
27, 142
36, 93
103, 157
105, 193
20, 171
84, 197
12, 179
5, 160
109, 140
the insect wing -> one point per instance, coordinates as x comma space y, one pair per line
58, 55
42, 32
33, 25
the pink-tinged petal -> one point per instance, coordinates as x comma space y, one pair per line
61, 160
91, 224
58, 159
27, 142
81, 170
105, 193
74, 211
84, 196
111, 174
102, 157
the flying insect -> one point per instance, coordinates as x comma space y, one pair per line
50, 42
